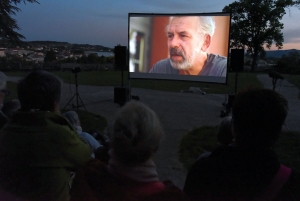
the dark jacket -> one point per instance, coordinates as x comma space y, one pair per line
37, 152
233, 173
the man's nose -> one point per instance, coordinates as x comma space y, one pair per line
174, 42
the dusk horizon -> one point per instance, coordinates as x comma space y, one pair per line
100, 23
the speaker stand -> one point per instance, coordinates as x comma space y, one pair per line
78, 98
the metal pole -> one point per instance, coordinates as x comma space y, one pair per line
76, 90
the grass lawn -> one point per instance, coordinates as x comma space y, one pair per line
204, 139
295, 80
113, 78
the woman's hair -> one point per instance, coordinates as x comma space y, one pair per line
135, 133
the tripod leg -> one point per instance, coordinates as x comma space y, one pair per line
69, 101
81, 103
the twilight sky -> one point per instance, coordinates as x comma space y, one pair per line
105, 22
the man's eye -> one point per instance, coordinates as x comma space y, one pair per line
183, 36
170, 36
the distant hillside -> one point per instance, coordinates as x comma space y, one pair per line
47, 42
73, 46
279, 53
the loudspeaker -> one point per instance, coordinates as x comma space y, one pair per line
121, 95
237, 59
120, 56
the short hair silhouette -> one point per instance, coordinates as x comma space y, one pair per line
39, 90
258, 116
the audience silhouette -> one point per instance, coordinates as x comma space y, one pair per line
74, 120
135, 134
38, 146
248, 170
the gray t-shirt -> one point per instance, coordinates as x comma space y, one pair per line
215, 65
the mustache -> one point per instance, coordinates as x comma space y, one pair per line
176, 51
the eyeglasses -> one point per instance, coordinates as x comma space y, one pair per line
5, 91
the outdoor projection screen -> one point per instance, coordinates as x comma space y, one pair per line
148, 44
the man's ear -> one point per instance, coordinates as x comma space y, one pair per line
206, 43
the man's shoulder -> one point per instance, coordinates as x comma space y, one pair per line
217, 59
216, 56
163, 66
215, 65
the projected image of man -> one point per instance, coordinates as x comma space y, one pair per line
189, 38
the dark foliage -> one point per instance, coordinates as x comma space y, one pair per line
8, 25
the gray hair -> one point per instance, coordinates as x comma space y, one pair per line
72, 117
206, 24
3, 80
135, 133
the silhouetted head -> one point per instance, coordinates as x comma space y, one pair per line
135, 133
40, 90
258, 116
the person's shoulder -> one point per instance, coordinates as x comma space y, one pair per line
162, 66
215, 65
91, 140
162, 62
292, 187
57, 121
169, 192
87, 135
216, 58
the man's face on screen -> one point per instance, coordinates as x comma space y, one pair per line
184, 42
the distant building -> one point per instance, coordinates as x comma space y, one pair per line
36, 57
70, 66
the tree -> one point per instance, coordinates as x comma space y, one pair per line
8, 25
92, 58
289, 63
256, 23
50, 56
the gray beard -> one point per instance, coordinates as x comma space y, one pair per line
181, 65
186, 63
